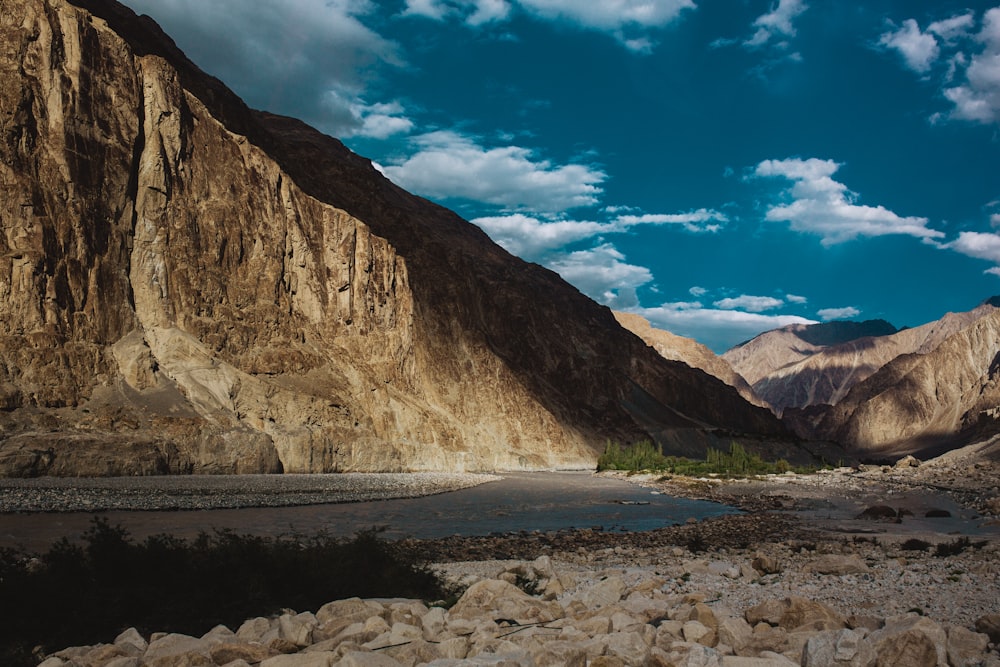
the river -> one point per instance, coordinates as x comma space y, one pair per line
540, 501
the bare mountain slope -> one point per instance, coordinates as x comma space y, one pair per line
192, 286
924, 402
789, 371
688, 351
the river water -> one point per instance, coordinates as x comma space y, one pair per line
544, 501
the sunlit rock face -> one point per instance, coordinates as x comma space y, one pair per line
190, 286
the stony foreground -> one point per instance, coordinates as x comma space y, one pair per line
787, 603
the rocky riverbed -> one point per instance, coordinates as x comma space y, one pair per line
798, 579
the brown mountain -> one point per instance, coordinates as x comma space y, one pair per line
193, 286
945, 394
688, 351
803, 365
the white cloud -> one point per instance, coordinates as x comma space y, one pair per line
697, 291
995, 220
450, 165
776, 23
603, 274
718, 329
973, 61
753, 304
610, 15
702, 220
472, 12
828, 314
379, 120
626, 20
531, 238
951, 29
919, 49
981, 245
823, 206
978, 99
286, 56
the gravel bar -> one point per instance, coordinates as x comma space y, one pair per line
199, 492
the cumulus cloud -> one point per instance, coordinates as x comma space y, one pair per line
973, 61
777, 23
449, 165
717, 328
952, 28
981, 245
379, 121
603, 274
919, 49
697, 291
702, 220
531, 238
287, 56
626, 20
828, 314
978, 99
823, 206
753, 304
795, 298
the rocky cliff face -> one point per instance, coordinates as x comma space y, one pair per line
192, 286
923, 402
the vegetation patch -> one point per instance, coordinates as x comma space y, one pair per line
946, 549
738, 462
84, 594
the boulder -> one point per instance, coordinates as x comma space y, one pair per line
794, 613
915, 641
966, 648
560, 654
351, 609
990, 625
603, 593
500, 600
227, 651
174, 650
837, 648
765, 564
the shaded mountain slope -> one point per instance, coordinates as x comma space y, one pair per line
688, 351
193, 286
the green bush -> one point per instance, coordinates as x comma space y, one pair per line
85, 594
647, 456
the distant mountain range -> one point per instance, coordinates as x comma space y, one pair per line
879, 391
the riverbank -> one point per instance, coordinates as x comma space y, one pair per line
209, 492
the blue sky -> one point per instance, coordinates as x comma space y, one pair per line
722, 167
